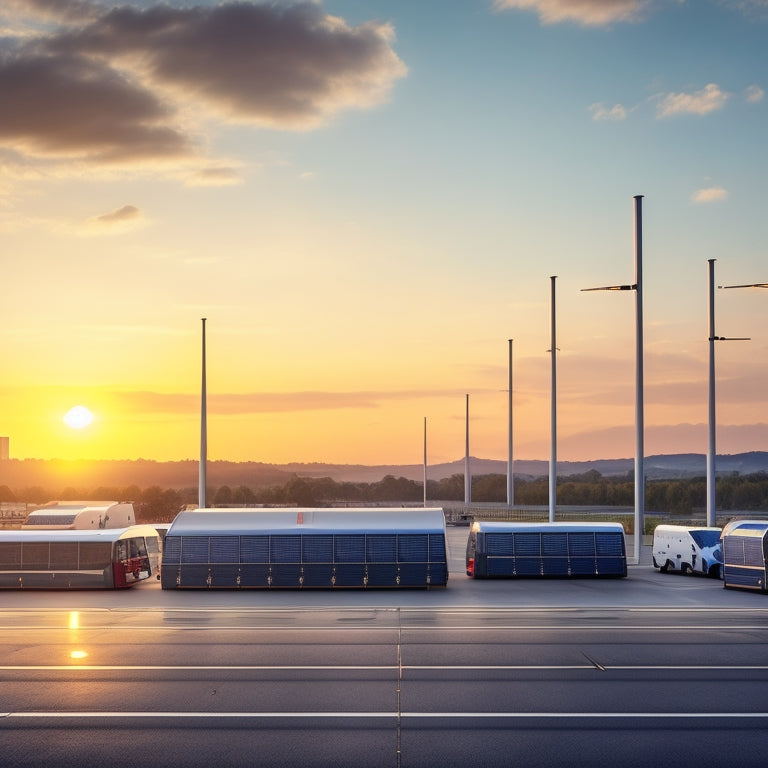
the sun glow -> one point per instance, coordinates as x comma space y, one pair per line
78, 417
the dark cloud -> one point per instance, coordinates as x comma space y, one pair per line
71, 106
114, 85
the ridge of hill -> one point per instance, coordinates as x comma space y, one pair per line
144, 473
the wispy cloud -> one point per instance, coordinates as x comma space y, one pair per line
268, 402
126, 213
588, 13
708, 99
123, 219
118, 86
754, 94
214, 177
709, 195
601, 112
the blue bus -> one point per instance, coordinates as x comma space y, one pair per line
513, 550
744, 555
359, 548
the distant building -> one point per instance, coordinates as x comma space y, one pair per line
4, 449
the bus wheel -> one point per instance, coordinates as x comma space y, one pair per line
664, 568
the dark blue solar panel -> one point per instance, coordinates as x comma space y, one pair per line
413, 548
554, 544
285, 549
609, 544
581, 544
499, 544
172, 550
349, 548
225, 549
194, 549
316, 549
254, 549
527, 544
437, 547
380, 548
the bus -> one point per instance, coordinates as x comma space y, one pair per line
688, 549
294, 548
519, 550
745, 555
79, 515
86, 559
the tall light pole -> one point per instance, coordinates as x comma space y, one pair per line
711, 450
553, 408
201, 487
711, 446
467, 476
637, 287
510, 462
425, 461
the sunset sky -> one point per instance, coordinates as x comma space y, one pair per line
366, 199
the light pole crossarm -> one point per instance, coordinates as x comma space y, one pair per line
613, 288
748, 285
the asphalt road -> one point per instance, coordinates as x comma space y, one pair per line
649, 670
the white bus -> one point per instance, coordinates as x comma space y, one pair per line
80, 515
688, 549
85, 559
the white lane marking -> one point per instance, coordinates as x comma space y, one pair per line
404, 628
392, 715
369, 667
376, 609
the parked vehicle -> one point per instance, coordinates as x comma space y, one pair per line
508, 550
79, 559
688, 549
745, 551
305, 548
80, 515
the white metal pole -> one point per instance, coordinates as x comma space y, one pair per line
467, 476
553, 450
201, 488
425, 461
639, 418
510, 460
711, 447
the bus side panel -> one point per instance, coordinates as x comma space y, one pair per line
744, 563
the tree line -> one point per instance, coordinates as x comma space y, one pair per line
684, 497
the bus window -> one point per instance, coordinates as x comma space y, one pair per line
95, 555
138, 547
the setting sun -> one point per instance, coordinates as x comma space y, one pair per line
78, 417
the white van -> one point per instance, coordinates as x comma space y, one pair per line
688, 549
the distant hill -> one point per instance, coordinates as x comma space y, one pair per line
656, 467
19, 474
